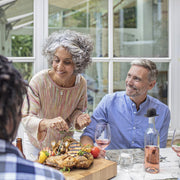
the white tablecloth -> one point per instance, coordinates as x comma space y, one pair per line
168, 165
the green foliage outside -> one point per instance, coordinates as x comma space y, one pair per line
25, 69
81, 18
22, 47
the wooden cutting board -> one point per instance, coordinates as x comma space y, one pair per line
101, 169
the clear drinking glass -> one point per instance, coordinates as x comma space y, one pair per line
102, 135
126, 164
175, 145
126, 161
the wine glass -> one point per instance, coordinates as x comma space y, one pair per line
102, 135
175, 145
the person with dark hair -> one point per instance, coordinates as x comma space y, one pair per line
60, 93
13, 166
125, 110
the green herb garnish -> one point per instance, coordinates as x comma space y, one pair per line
81, 153
46, 153
71, 129
64, 169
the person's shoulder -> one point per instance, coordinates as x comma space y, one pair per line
114, 96
33, 170
82, 83
120, 93
39, 77
51, 172
82, 79
44, 171
41, 73
157, 102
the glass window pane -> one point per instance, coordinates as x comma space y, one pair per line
16, 28
97, 83
84, 16
26, 69
160, 90
141, 28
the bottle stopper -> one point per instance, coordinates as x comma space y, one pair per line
151, 112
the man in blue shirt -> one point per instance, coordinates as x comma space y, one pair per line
124, 111
12, 164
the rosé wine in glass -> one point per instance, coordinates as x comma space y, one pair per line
152, 159
176, 148
102, 135
102, 143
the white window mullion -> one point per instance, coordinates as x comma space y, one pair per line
110, 45
174, 23
170, 20
40, 32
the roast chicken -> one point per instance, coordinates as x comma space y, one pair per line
69, 154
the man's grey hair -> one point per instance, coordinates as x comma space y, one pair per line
149, 65
79, 45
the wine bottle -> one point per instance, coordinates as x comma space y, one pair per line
151, 144
19, 145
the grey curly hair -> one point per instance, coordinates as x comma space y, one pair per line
79, 45
151, 66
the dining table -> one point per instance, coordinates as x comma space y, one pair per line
169, 165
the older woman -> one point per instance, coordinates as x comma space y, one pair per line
58, 96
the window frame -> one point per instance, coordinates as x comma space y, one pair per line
41, 33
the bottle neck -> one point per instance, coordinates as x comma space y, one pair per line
151, 135
152, 120
19, 144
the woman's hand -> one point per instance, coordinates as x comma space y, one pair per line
82, 121
57, 123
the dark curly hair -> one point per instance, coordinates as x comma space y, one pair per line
12, 91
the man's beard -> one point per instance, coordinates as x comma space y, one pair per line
134, 89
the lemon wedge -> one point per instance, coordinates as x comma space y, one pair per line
42, 157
